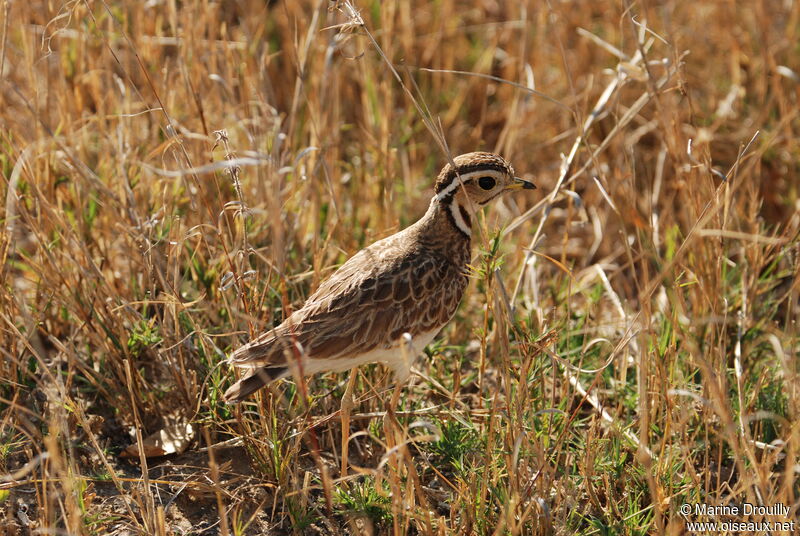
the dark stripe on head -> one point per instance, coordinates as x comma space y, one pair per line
487, 201
451, 174
465, 215
445, 201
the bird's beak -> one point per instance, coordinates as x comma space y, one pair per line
520, 184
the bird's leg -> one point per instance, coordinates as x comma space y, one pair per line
395, 435
401, 367
402, 371
395, 399
347, 406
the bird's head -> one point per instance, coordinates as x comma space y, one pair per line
475, 180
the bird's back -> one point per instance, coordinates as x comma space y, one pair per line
392, 287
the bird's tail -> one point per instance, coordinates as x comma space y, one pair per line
251, 383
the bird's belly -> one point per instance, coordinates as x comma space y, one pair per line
389, 356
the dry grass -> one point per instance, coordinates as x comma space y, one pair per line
630, 340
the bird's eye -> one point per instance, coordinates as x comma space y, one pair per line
487, 183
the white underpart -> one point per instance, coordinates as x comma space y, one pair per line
460, 223
395, 357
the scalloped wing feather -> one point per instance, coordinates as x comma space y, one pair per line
382, 292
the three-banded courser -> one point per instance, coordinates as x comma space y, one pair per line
408, 283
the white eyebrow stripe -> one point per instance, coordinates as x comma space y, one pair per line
460, 223
450, 187
457, 181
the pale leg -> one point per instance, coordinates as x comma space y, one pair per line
347, 406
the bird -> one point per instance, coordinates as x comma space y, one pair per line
389, 300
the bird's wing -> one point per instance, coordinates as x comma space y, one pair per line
369, 302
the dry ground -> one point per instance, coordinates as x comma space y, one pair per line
628, 344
